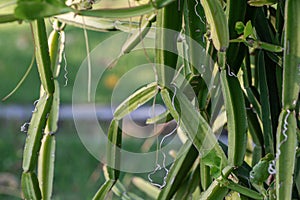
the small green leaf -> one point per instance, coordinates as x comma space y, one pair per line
239, 27
248, 30
260, 173
214, 161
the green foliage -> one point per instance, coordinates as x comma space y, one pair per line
261, 94
259, 173
30, 9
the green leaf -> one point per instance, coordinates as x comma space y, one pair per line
126, 12
103, 190
205, 177
182, 165
236, 117
191, 185
135, 100
239, 27
33, 140
168, 26
30, 186
243, 190
138, 35
217, 20
42, 55
297, 173
90, 23
286, 145
7, 18
291, 57
214, 162
118, 189
162, 118
46, 165
269, 47
248, 30
265, 104
113, 149
196, 127
260, 173
216, 191
146, 187
52, 121
35, 10
238, 40
259, 3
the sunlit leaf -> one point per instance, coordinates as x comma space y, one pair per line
259, 3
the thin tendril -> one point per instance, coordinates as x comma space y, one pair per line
65, 69
24, 127
62, 55
196, 12
178, 72
163, 167
271, 168
34, 104
230, 73
22, 79
88, 60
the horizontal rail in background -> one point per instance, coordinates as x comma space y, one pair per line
103, 113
